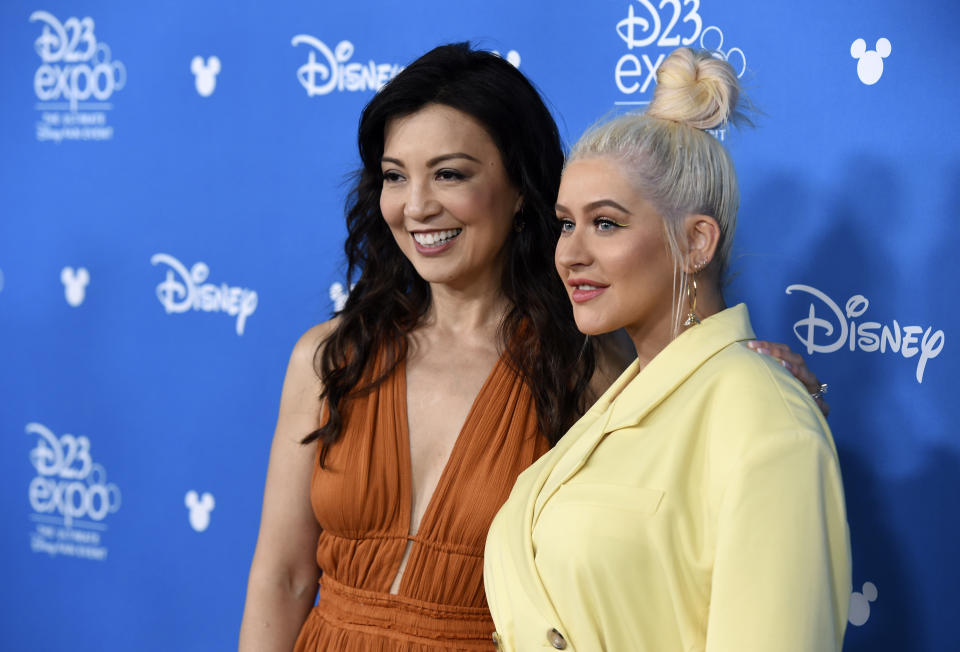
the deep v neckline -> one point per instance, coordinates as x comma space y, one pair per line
445, 475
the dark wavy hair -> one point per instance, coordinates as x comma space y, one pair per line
390, 299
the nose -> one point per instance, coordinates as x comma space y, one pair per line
420, 203
572, 251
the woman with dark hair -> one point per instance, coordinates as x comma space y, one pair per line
453, 366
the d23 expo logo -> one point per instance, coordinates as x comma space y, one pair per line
651, 30
75, 81
70, 496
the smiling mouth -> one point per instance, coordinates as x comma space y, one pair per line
581, 292
435, 238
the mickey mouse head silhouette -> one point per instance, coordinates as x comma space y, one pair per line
870, 63
200, 508
206, 74
860, 604
339, 296
512, 57
74, 284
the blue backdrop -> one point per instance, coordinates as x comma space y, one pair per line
172, 176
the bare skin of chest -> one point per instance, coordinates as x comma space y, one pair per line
443, 380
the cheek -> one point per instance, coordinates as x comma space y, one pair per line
390, 209
647, 273
559, 255
621, 259
493, 206
634, 268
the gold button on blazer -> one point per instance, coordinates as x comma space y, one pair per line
697, 506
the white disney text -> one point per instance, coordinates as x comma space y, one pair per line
335, 71
831, 329
183, 290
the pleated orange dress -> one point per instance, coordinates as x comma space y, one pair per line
363, 499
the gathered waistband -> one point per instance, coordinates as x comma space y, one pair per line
402, 617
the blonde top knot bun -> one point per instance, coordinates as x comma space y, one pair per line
671, 158
696, 89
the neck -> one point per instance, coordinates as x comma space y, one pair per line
651, 337
465, 313
709, 300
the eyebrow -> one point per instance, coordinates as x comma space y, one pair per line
598, 204
435, 159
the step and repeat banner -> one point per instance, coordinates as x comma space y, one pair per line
172, 180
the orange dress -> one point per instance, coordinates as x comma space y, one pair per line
362, 500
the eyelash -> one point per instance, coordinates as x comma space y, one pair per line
606, 221
446, 174
598, 223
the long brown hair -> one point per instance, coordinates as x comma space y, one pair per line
390, 299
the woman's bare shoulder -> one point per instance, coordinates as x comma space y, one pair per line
305, 350
302, 386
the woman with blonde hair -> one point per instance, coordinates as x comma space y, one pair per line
698, 505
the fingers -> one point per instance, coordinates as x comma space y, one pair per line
795, 364
824, 406
792, 362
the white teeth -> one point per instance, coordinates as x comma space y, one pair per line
435, 238
587, 287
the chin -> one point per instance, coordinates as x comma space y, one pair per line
593, 326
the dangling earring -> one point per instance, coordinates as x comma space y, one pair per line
518, 225
692, 319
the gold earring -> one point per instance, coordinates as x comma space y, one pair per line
692, 319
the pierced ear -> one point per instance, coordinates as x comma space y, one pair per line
702, 235
518, 204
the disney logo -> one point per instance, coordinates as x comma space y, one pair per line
184, 290
75, 66
839, 328
335, 71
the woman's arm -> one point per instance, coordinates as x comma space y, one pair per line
781, 576
283, 578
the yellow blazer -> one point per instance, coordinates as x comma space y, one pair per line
697, 505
